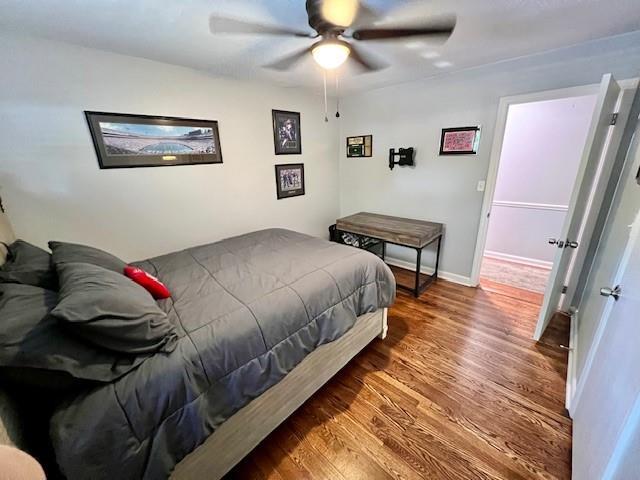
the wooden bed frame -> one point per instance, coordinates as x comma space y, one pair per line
236, 437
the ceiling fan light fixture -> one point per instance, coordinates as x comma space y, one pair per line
330, 55
340, 12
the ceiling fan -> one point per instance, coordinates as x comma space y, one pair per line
336, 22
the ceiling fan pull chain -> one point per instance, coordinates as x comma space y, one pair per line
337, 97
326, 106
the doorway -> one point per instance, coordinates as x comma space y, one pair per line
541, 153
606, 133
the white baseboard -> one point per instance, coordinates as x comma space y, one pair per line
451, 277
572, 373
530, 205
531, 262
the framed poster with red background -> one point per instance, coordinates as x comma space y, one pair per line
460, 141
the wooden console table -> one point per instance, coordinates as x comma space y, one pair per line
405, 232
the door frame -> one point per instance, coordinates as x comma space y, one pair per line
496, 152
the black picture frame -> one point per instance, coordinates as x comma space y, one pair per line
360, 146
297, 187
472, 151
117, 151
282, 142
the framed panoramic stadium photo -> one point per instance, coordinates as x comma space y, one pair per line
125, 141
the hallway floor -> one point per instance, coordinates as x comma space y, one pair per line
515, 274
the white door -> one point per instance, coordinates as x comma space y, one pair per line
606, 423
579, 214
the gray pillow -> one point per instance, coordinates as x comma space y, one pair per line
29, 265
111, 311
30, 338
64, 252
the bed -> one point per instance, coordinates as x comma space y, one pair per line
265, 319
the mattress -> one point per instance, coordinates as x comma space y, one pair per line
248, 310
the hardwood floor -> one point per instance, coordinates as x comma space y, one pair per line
458, 390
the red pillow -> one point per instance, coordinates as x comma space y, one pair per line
154, 286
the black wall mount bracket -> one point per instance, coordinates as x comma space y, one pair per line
405, 157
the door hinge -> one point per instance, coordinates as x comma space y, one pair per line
614, 119
565, 288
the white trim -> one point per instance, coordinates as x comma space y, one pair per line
451, 277
530, 205
506, 257
496, 151
572, 367
634, 236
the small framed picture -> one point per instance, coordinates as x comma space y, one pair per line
286, 132
361, 146
290, 180
460, 141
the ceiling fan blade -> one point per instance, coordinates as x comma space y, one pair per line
234, 25
365, 61
441, 29
285, 63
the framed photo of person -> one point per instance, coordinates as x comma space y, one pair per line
125, 141
289, 180
460, 141
286, 132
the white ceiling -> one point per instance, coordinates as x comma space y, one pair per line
177, 32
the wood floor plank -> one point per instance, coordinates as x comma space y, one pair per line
517, 429
433, 355
386, 406
458, 390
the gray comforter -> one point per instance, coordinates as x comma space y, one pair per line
248, 309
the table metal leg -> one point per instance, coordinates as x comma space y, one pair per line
418, 287
438, 256
416, 290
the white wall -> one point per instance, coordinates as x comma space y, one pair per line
542, 148
49, 176
443, 188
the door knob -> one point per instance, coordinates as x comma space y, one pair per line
554, 241
559, 243
608, 292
